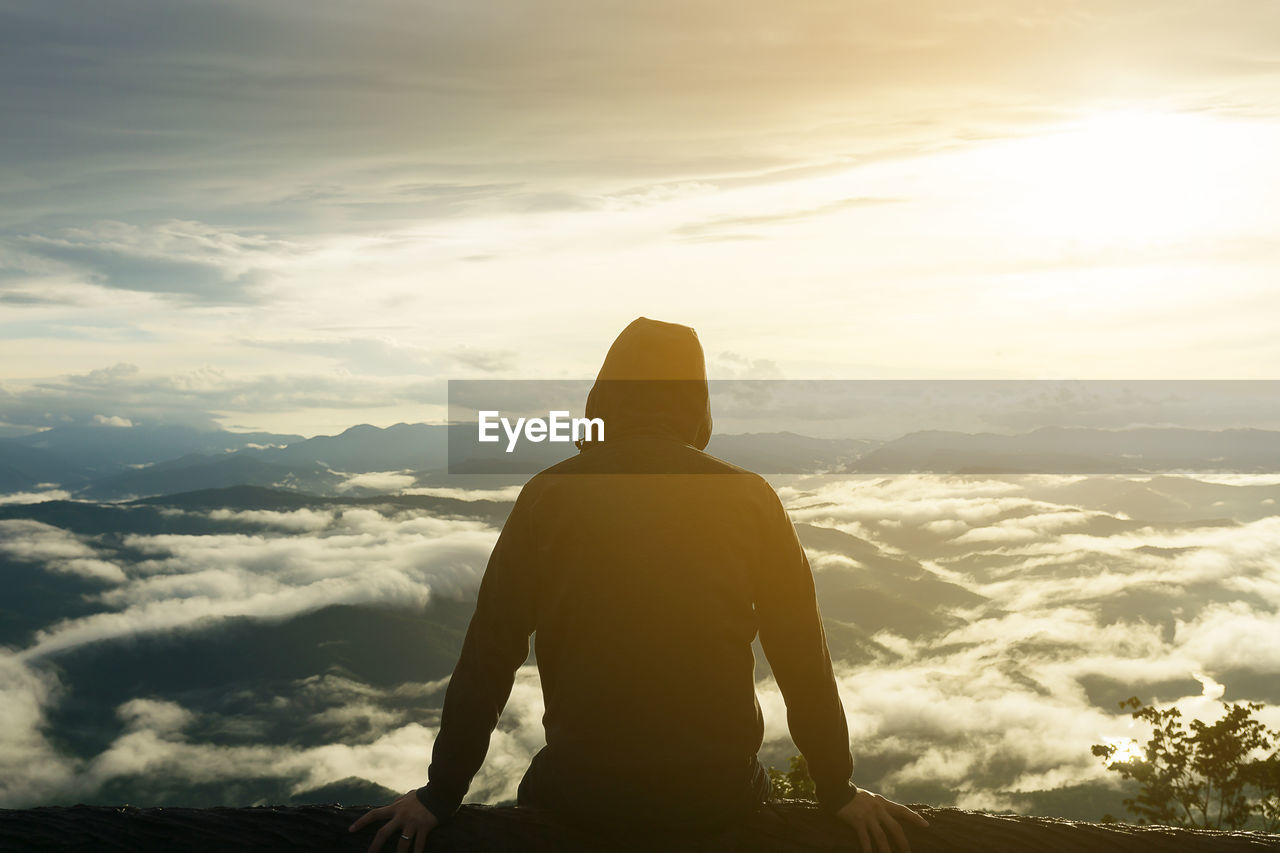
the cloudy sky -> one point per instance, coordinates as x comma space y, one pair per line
302, 215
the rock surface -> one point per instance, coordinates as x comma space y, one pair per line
783, 826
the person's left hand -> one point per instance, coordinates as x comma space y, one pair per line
876, 820
407, 816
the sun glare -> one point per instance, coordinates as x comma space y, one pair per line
1127, 749
1124, 178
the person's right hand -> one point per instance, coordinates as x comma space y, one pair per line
406, 816
876, 821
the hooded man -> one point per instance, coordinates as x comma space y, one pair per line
645, 568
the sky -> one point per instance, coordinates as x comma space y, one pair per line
299, 216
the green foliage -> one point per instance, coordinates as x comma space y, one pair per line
1264, 776
794, 784
1199, 774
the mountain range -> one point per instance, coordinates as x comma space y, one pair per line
118, 463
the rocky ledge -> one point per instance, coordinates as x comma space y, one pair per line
784, 826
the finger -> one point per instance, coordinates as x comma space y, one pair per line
406, 838
913, 816
882, 843
381, 838
896, 833
420, 840
366, 818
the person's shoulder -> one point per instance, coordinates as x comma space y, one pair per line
742, 482
716, 465
760, 491
573, 465
662, 457
547, 478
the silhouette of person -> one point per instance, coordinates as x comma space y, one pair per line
644, 568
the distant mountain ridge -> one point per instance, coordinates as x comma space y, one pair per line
364, 448
198, 471
1076, 450
102, 450
116, 463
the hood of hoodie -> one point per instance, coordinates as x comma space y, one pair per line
654, 382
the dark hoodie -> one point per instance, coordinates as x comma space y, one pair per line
646, 568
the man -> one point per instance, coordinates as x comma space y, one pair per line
645, 568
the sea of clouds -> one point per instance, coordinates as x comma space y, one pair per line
1076, 601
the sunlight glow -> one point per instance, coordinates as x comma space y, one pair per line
1212, 689
1127, 749
1125, 178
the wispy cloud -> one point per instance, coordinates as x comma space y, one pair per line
56, 550
740, 227
191, 582
379, 481
384, 356
188, 260
202, 396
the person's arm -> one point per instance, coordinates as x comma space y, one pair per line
796, 645
497, 643
793, 639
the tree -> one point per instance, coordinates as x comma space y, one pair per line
1265, 777
1201, 775
794, 784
